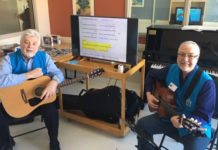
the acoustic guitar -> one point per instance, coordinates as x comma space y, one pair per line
22, 99
167, 108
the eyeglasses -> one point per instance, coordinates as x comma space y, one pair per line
190, 56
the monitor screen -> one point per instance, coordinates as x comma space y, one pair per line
105, 38
194, 16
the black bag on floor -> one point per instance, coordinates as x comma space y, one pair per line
104, 104
134, 104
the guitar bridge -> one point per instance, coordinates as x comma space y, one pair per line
23, 94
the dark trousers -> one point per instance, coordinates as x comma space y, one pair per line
152, 124
49, 113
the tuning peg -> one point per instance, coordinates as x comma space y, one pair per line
192, 119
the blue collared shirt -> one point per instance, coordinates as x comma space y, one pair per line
7, 78
206, 99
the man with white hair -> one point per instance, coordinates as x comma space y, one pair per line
199, 104
24, 64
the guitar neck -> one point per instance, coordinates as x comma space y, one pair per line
38, 90
71, 81
94, 73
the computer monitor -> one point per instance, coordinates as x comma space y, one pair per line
195, 16
105, 38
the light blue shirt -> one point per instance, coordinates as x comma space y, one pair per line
8, 79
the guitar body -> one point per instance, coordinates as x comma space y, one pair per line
165, 94
13, 101
167, 108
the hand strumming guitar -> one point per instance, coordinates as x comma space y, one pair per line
49, 90
152, 101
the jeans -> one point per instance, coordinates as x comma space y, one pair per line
49, 113
152, 124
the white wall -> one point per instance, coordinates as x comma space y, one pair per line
42, 23
41, 15
144, 23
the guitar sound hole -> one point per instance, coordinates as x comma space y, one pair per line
34, 101
38, 91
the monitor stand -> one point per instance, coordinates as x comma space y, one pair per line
101, 61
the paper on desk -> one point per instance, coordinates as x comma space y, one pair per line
73, 62
199, 28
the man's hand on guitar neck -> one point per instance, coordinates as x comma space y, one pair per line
49, 90
176, 121
152, 101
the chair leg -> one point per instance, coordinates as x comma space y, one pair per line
29, 132
21, 134
162, 140
216, 143
161, 143
213, 140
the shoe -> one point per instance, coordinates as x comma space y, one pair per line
12, 142
5, 147
55, 146
8, 146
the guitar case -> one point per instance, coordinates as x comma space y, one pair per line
104, 104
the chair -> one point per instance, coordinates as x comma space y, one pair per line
215, 117
214, 140
29, 119
17, 121
162, 141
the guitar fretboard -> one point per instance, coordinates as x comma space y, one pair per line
71, 81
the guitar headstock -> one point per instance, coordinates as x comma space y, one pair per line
96, 72
193, 126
